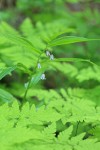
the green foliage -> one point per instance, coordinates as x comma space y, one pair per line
49, 75
4, 72
32, 128
83, 74
12, 36
6, 97
67, 40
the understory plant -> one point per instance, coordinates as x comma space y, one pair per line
33, 117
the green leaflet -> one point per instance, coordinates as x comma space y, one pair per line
12, 36
68, 30
27, 28
6, 97
8, 70
71, 59
15, 54
89, 73
23, 68
68, 40
96, 132
64, 136
74, 60
85, 74
4, 72
51, 30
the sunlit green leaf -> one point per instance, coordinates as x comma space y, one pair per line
74, 60
14, 37
6, 71
68, 40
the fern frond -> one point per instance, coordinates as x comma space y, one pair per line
22, 131
85, 74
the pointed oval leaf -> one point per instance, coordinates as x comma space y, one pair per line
68, 40
74, 60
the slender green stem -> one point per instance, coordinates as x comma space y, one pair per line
24, 99
27, 90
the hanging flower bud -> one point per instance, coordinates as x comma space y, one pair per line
43, 77
51, 57
39, 65
47, 53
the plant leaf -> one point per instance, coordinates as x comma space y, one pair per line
14, 37
4, 72
68, 30
68, 40
74, 60
23, 68
6, 97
